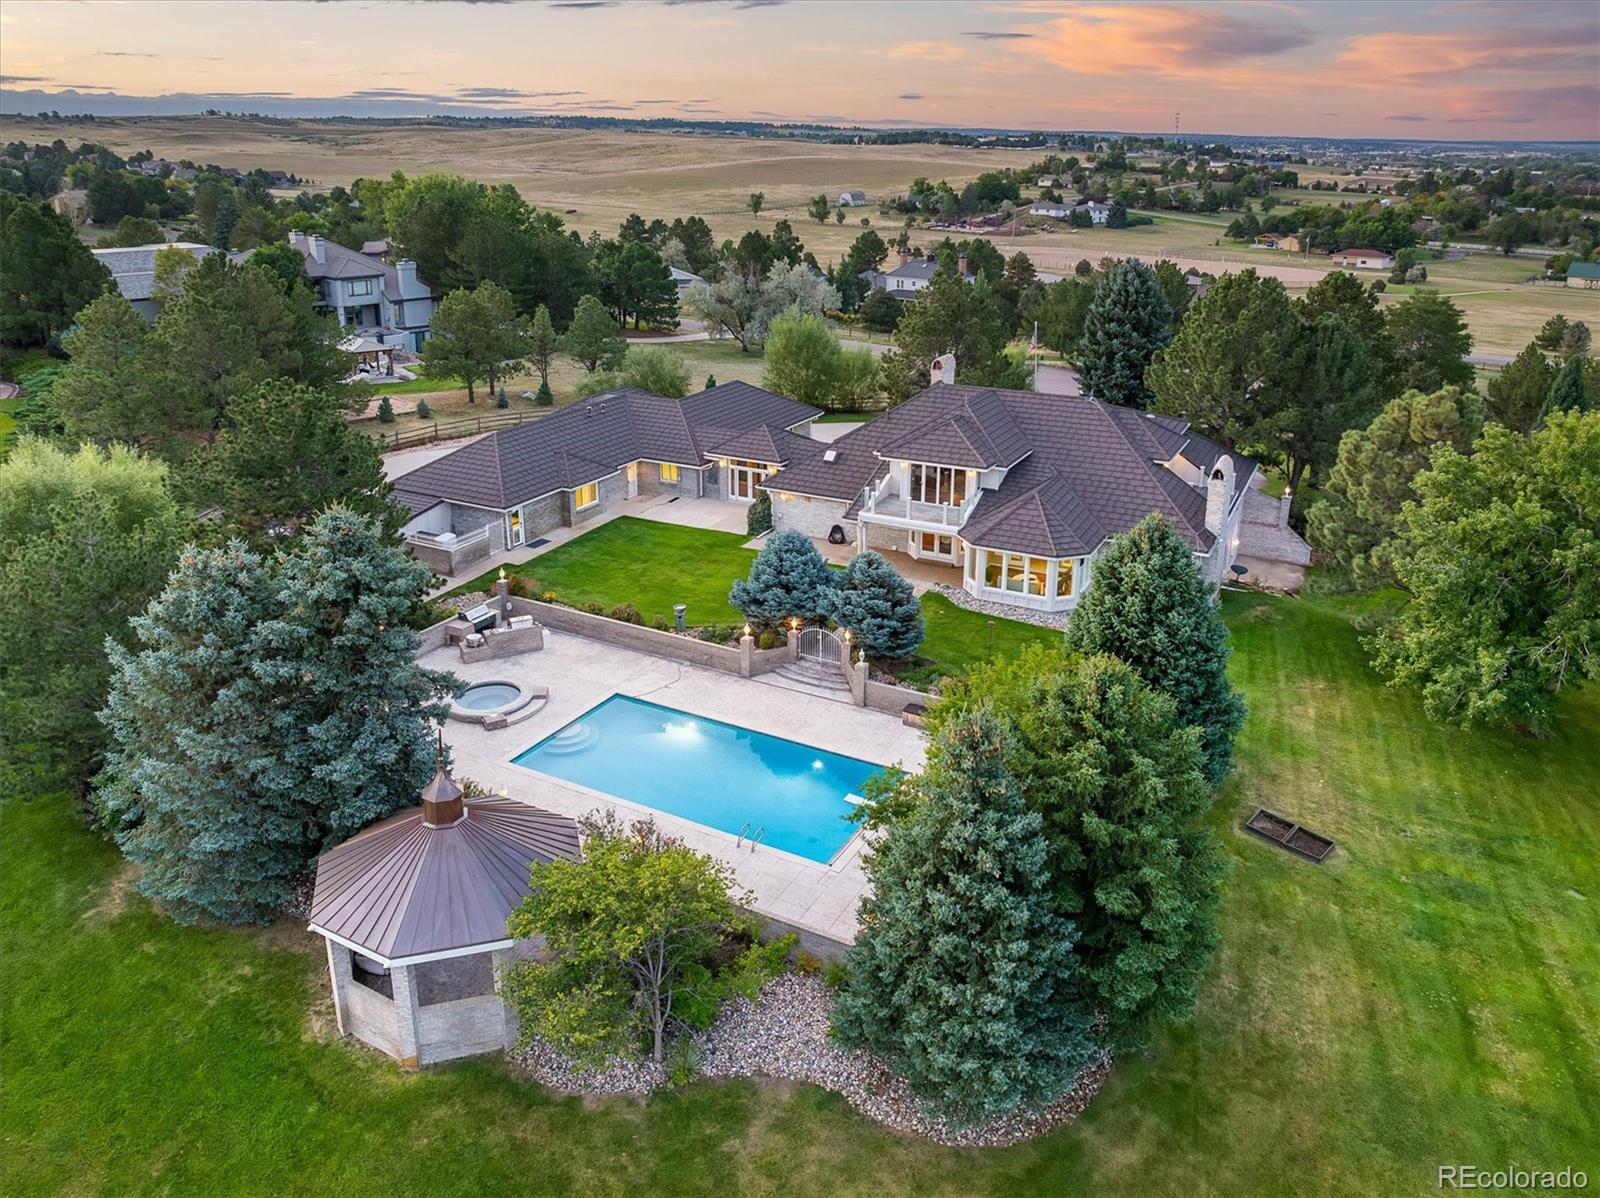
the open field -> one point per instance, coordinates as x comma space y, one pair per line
596, 178
1430, 994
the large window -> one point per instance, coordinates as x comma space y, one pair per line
586, 496
938, 484
358, 287
669, 472
933, 544
1019, 574
1065, 569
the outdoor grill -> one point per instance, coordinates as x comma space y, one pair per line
481, 617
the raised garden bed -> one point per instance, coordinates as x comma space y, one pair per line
1287, 834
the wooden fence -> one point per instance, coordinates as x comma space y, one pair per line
425, 432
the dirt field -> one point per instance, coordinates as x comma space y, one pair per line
596, 178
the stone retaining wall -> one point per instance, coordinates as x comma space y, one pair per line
650, 640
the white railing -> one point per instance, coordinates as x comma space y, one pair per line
454, 545
901, 507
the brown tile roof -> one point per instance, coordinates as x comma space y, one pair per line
402, 888
596, 437
978, 433
1091, 470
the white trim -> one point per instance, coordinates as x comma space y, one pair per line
444, 954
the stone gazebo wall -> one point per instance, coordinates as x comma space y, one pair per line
436, 1011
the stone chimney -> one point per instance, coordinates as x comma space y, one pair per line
961, 265
442, 803
905, 256
319, 248
943, 369
1219, 493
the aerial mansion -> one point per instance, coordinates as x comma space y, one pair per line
1014, 491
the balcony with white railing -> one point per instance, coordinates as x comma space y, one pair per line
883, 503
449, 553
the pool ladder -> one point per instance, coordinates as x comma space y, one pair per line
753, 837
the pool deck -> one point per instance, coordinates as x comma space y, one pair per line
818, 898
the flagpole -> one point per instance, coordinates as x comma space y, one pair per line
1033, 348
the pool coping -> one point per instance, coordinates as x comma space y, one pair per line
834, 864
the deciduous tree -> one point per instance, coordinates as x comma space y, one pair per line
1502, 560
475, 335
656, 369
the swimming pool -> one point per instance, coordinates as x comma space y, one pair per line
716, 774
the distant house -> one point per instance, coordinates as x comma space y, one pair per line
1286, 242
378, 249
133, 269
1585, 275
852, 199
1099, 213
911, 276
1364, 259
684, 279
1050, 181
74, 205
384, 301
280, 179
1054, 209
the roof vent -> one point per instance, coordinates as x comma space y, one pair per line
830, 455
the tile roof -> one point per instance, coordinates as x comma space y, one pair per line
133, 268
596, 437
402, 887
764, 443
1091, 469
979, 433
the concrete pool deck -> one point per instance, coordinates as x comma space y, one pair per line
813, 897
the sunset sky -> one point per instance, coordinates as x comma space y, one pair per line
1460, 71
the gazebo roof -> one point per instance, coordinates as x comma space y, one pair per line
413, 886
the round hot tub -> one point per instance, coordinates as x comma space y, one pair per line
497, 702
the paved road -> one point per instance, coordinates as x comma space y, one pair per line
1489, 359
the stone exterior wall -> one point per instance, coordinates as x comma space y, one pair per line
650, 640
612, 489
463, 1027
880, 536
814, 517
541, 515
465, 520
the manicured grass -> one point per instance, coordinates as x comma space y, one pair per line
646, 563
956, 639
1430, 994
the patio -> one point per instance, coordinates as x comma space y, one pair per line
812, 897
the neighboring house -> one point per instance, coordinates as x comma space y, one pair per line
1015, 491
1287, 242
563, 470
382, 300
134, 270
1054, 209
683, 280
852, 199
1585, 275
73, 204
378, 249
911, 276
1364, 259
1099, 213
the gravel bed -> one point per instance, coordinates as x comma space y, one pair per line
1045, 619
465, 602
784, 1034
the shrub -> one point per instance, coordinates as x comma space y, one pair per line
807, 964
543, 396
501, 401
385, 411
758, 518
423, 410
711, 381
719, 634
683, 1061
836, 974
660, 623
627, 613
521, 586
549, 597
593, 607
767, 640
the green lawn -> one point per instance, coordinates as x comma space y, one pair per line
8, 420
646, 563
1430, 994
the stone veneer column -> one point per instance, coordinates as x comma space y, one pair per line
339, 975
500, 961
403, 978
747, 648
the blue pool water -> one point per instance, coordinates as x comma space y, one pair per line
712, 773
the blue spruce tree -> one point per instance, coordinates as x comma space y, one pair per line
963, 975
788, 578
878, 607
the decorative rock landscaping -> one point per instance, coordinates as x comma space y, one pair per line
1045, 619
784, 1034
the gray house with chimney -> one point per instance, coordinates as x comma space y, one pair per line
1015, 492
371, 296
563, 470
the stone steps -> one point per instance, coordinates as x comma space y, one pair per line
811, 678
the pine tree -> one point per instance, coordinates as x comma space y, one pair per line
711, 381
423, 410
592, 339
787, 579
542, 343
1519, 391
355, 740
1127, 323
543, 398
385, 411
1568, 393
1151, 607
188, 788
878, 607
963, 976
